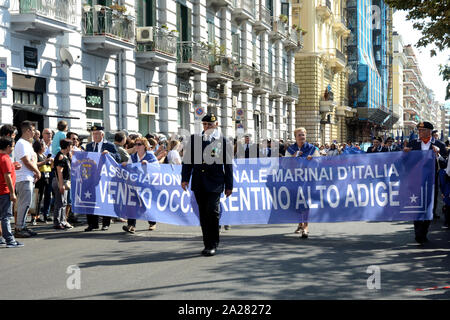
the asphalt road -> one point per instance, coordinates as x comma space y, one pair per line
264, 262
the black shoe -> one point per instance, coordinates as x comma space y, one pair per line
421, 240
90, 229
208, 252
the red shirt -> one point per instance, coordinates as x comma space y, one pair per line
6, 166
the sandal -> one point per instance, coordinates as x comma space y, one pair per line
305, 234
298, 230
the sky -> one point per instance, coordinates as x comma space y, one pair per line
429, 66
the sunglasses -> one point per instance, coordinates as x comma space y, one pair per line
138, 144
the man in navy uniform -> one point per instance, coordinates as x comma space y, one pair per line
208, 159
376, 146
101, 146
427, 142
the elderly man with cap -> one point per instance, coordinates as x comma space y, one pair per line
101, 146
390, 146
208, 159
426, 142
376, 146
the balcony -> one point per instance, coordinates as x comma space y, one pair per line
107, 31
340, 25
184, 86
192, 57
411, 86
44, 18
263, 19
278, 31
410, 123
279, 88
409, 108
243, 10
244, 78
324, 9
263, 83
327, 106
338, 60
411, 98
161, 51
213, 94
292, 40
293, 91
221, 69
217, 4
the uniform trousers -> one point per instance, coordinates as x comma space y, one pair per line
92, 221
209, 210
421, 228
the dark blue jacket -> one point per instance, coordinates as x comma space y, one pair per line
108, 146
444, 184
208, 177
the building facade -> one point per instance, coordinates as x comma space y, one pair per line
399, 63
151, 66
321, 70
369, 58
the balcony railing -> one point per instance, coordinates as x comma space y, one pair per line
213, 94
264, 15
61, 10
162, 42
100, 20
247, 5
221, 64
340, 19
279, 26
279, 86
341, 56
192, 52
263, 80
244, 73
293, 90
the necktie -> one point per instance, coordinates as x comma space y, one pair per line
96, 147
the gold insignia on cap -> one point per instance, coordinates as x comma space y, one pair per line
94, 128
213, 118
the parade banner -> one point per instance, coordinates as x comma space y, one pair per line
394, 186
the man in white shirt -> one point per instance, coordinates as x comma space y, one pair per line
26, 177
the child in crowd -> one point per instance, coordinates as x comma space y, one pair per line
7, 194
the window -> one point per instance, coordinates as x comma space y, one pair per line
270, 57
236, 45
26, 97
184, 22
145, 13
94, 107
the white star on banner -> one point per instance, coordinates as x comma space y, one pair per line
87, 195
413, 198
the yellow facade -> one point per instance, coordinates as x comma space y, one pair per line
322, 64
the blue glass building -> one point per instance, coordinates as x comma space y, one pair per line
367, 57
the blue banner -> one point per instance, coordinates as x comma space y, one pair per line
391, 186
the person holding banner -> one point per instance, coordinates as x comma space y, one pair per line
303, 149
101, 146
377, 146
426, 142
143, 156
208, 159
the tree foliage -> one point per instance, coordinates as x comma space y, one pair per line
431, 17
